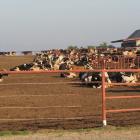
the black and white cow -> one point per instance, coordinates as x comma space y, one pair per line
118, 77
22, 67
123, 77
65, 65
129, 77
2, 75
93, 79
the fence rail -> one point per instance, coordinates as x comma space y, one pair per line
104, 96
116, 62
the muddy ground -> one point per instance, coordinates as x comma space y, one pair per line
58, 105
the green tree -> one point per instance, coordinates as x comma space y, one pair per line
91, 47
103, 45
72, 47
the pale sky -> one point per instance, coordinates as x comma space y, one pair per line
46, 24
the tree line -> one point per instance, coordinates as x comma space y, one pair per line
102, 45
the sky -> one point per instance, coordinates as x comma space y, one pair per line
48, 24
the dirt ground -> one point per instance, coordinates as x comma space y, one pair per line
57, 105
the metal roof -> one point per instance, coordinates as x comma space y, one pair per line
136, 34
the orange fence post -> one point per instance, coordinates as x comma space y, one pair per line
103, 100
103, 96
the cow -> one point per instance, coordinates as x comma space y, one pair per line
66, 65
22, 67
128, 77
93, 79
2, 75
123, 77
117, 77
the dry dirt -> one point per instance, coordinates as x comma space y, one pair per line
64, 106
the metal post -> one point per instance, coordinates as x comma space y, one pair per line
103, 99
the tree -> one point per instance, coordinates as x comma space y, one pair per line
103, 45
91, 47
72, 47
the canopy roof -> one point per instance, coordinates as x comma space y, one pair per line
136, 34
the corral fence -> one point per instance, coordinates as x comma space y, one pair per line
105, 98
116, 62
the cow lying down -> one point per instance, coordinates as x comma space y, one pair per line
123, 77
68, 75
64, 66
1, 76
91, 78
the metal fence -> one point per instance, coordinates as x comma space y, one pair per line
105, 97
105, 111
116, 62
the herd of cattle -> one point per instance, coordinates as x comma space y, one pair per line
76, 60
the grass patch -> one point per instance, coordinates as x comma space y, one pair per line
12, 133
60, 133
88, 130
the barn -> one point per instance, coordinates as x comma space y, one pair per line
132, 42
